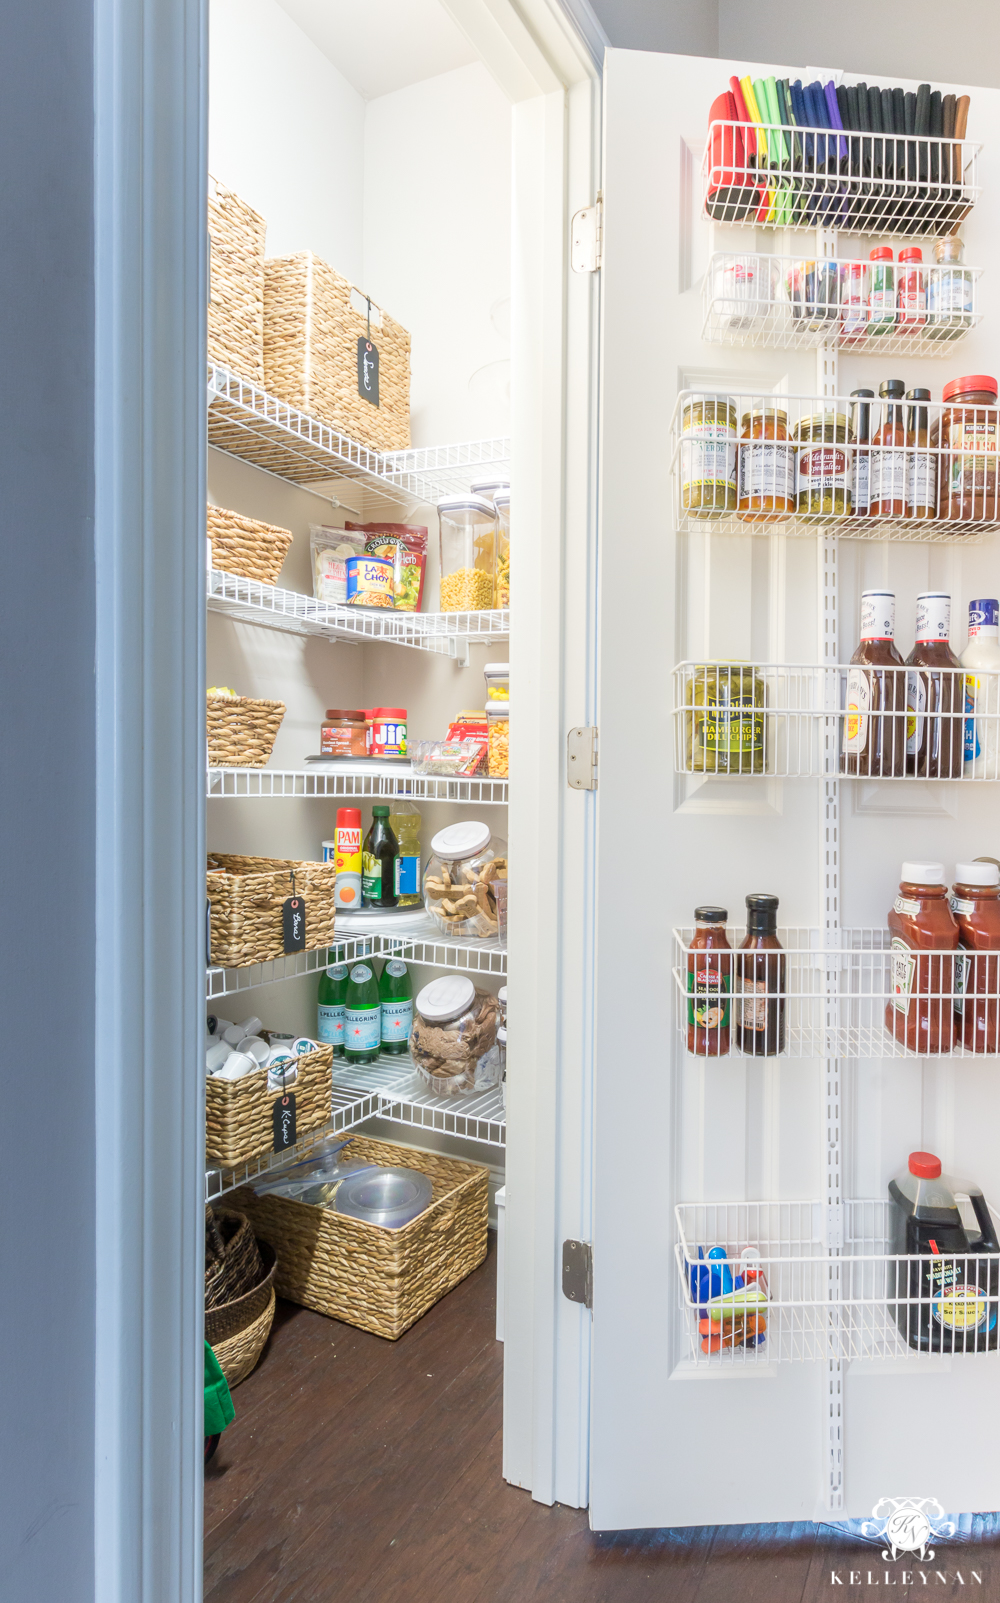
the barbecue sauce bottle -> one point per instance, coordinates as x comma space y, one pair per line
935, 701
760, 982
874, 740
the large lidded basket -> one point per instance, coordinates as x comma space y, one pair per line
377, 1279
241, 730
239, 1114
236, 295
246, 546
247, 895
311, 333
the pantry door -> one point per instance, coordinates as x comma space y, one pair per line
671, 1443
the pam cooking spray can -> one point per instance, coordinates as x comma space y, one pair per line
346, 855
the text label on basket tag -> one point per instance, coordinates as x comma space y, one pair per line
368, 370
283, 1119
293, 923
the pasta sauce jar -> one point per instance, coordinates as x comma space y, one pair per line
766, 480
825, 469
967, 434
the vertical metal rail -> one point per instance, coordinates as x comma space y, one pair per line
829, 889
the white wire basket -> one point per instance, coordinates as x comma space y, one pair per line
751, 299
861, 1298
857, 182
864, 998
765, 463
798, 721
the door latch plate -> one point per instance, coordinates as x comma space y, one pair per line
578, 1272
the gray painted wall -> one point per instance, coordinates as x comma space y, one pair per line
47, 804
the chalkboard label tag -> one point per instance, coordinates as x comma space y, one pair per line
368, 370
293, 923
283, 1118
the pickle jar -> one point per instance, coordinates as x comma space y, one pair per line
766, 485
502, 503
825, 469
724, 719
708, 456
468, 546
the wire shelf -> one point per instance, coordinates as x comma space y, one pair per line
801, 470
228, 981
342, 780
245, 421
249, 601
782, 176
350, 1106
837, 1286
786, 303
871, 996
802, 721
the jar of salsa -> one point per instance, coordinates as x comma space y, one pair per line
975, 903
766, 478
920, 1009
708, 456
825, 473
967, 434
709, 984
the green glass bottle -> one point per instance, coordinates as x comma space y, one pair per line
395, 994
380, 863
330, 1006
362, 1014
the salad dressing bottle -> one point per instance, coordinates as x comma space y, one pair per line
874, 739
935, 699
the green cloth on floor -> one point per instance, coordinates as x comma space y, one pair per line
219, 1410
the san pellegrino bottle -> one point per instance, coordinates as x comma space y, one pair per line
362, 1014
395, 994
404, 821
330, 1006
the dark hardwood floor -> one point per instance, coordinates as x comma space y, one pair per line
367, 1471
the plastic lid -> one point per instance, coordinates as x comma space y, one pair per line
346, 816
353, 713
502, 497
459, 841
984, 613
445, 999
501, 1035
390, 712
977, 874
761, 902
893, 389
498, 709
865, 394
971, 381
502, 996
380, 812
711, 915
918, 395
881, 253
496, 670
923, 874
912, 253
489, 487
465, 503
925, 1165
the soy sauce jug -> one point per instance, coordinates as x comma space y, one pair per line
947, 1297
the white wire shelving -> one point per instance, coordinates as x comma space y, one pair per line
887, 1305
781, 176
350, 1106
444, 633
798, 468
869, 997
247, 422
807, 721
343, 780
230, 981
754, 300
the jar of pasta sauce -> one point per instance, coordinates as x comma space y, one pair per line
825, 469
389, 732
967, 433
766, 469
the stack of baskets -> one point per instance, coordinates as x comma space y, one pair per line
245, 546
239, 1292
236, 296
247, 895
241, 730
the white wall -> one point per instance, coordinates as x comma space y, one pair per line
286, 132
437, 245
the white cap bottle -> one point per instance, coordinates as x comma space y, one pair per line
982, 691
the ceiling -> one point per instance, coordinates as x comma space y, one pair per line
383, 45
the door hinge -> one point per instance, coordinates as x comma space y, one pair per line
581, 758
587, 238
578, 1272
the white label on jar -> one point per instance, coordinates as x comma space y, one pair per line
958, 904
916, 705
912, 300
933, 617
903, 968
902, 904
753, 1007
824, 467
949, 290
708, 456
888, 474
397, 1020
767, 469
361, 1028
963, 962
859, 702
860, 497
882, 305
921, 482
878, 615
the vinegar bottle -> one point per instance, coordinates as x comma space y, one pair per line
380, 863
709, 984
888, 454
975, 903
874, 740
934, 700
760, 982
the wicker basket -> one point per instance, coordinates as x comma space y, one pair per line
246, 547
241, 731
240, 1354
236, 298
311, 334
379, 1280
238, 1113
247, 894
239, 1268
232, 1317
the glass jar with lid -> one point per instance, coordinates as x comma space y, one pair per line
502, 503
950, 301
465, 861
724, 719
766, 483
467, 550
453, 1037
967, 434
825, 467
708, 456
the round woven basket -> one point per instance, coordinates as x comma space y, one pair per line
227, 1321
241, 1268
238, 1355
241, 730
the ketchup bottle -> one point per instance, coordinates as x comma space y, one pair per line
710, 984
975, 902
920, 1011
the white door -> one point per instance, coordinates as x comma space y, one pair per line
795, 1428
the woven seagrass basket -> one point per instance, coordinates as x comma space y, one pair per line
377, 1279
231, 1317
236, 297
311, 334
247, 895
229, 1274
245, 546
239, 1355
238, 1113
241, 731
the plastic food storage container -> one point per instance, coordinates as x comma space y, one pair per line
502, 503
465, 860
454, 1030
455, 758
497, 720
467, 525
497, 676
